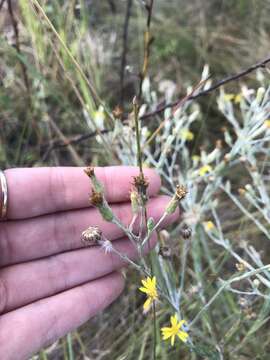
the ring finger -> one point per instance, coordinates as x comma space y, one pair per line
27, 282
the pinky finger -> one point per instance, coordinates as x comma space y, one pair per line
25, 331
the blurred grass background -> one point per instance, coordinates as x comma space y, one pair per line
46, 105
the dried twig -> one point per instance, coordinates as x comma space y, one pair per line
1, 4
147, 44
77, 159
261, 64
17, 43
71, 141
125, 49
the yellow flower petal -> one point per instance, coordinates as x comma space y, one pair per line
267, 123
172, 340
145, 283
186, 134
208, 225
147, 303
183, 336
205, 169
238, 98
144, 290
228, 97
174, 320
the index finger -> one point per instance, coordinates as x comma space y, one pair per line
37, 191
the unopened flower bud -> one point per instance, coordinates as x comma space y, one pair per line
135, 201
180, 193
256, 283
106, 212
150, 224
165, 252
141, 184
186, 232
90, 172
97, 199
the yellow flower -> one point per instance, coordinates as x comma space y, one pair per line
195, 158
186, 134
99, 116
228, 97
174, 330
267, 123
238, 98
205, 169
208, 225
150, 289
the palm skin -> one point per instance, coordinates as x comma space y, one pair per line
49, 283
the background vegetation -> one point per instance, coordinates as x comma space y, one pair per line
48, 117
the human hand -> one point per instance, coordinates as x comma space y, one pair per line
49, 283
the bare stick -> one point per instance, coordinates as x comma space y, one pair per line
17, 43
261, 64
125, 50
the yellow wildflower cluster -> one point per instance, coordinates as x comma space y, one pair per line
236, 98
175, 330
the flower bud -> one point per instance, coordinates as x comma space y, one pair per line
150, 224
97, 199
165, 252
186, 232
135, 201
180, 193
90, 172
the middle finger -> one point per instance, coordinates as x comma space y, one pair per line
35, 238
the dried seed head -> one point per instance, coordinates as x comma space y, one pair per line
118, 112
96, 198
140, 182
219, 144
243, 302
181, 192
91, 236
186, 232
89, 170
240, 266
165, 252
241, 191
